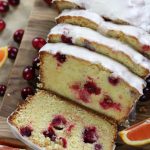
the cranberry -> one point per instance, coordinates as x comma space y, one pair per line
28, 73
146, 48
114, 81
12, 52
90, 135
14, 2
82, 94
143, 98
38, 43
146, 91
59, 122
60, 57
2, 89
49, 2
26, 131
92, 88
70, 128
64, 142
36, 62
18, 35
148, 82
25, 92
4, 6
2, 25
50, 133
108, 103
66, 39
97, 147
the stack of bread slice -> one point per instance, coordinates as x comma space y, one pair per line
92, 73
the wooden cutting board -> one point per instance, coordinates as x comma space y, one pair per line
40, 22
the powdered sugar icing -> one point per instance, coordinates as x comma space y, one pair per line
116, 68
142, 36
135, 12
76, 32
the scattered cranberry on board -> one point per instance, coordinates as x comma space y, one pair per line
4, 7
38, 43
2, 89
28, 73
25, 92
12, 52
36, 62
49, 2
14, 2
2, 25
18, 35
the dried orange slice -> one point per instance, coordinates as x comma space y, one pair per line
3, 55
137, 135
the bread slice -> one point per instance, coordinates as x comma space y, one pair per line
121, 12
89, 79
94, 41
47, 122
131, 35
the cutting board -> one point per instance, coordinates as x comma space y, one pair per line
40, 22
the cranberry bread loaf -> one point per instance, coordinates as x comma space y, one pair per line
47, 122
131, 35
89, 79
94, 41
134, 12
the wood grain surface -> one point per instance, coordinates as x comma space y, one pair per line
40, 22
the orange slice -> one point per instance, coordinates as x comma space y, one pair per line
137, 135
3, 55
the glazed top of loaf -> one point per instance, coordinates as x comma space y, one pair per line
136, 32
86, 33
134, 12
116, 68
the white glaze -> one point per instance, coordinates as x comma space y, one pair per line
76, 32
135, 12
116, 68
82, 13
142, 36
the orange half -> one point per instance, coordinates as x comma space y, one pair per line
3, 55
137, 135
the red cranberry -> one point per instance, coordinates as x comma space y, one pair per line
49, 2
50, 133
2, 89
66, 39
146, 91
90, 135
108, 103
60, 57
18, 35
14, 2
38, 43
97, 147
25, 92
4, 7
92, 88
64, 142
144, 98
114, 81
146, 48
2, 25
148, 81
82, 94
12, 52
26, 131
59, 122
28, 73
36, 62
